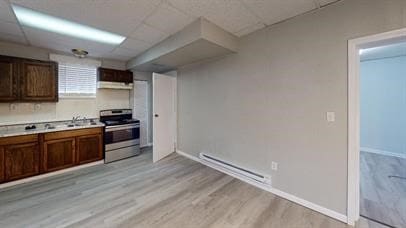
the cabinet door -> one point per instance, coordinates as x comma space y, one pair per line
39, 81
89, 148
1, 164
107, 75
21, 160
125, 76
58, 154
8, 79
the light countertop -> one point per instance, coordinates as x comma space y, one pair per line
16, 130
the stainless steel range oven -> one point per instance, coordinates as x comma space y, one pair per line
122, 134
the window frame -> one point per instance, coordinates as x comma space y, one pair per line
65, 95
78, 62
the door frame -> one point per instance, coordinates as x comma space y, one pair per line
149, 102
175, 106
354, 46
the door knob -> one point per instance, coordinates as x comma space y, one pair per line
156, 115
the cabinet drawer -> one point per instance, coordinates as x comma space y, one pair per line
18, 139
72, 133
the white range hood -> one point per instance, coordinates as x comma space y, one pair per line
114, 85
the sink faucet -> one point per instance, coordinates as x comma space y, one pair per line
75, 119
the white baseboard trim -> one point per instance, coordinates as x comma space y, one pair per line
42, 176
191, 157
382, 152
333, 214
146, 145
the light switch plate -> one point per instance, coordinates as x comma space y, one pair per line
331, 116
274, 166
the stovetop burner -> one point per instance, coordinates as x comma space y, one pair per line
117, 117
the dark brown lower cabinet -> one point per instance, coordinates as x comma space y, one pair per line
89, 148
30, 155
21, 160
58, 154
1, 164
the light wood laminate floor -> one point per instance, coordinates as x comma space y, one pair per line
175, 192
383, 197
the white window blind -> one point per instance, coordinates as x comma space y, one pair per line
76, 80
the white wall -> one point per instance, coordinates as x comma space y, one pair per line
66, 108
383, 105
269, 101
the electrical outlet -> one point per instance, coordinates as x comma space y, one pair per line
13, 107
37, 107
274, 166
331, 116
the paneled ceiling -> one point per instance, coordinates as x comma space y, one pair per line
145, 22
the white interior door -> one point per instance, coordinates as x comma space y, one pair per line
141, 110
164, 109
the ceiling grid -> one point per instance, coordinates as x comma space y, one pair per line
145, 22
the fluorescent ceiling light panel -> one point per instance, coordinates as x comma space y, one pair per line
34, 19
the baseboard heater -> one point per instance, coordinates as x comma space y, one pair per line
236, 169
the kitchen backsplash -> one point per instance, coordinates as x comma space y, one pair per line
65, 109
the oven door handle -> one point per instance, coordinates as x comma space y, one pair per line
122, 127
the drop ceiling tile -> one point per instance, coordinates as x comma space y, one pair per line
231, 15
12, 38
10, 28
138, 9
115, 57
50, 45
249, 29
126, 52
62, 48
127, 14
5, 12
275, 11
326, 2
149, 34
135, 44
168, 19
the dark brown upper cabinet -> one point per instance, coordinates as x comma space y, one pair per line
38, 81
28, 80
8, 79
110, 75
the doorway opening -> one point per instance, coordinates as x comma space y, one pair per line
376, 100
382, 134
